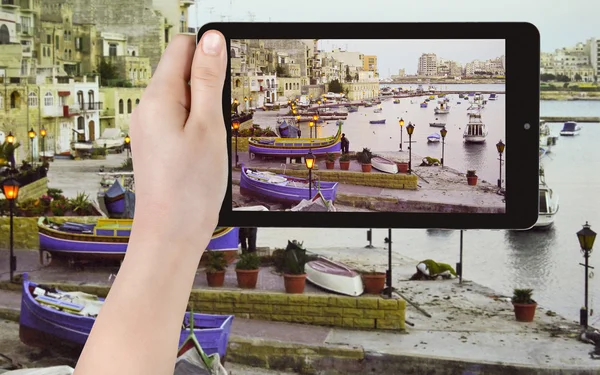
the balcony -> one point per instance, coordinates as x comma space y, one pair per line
77, 109
27, 51
11, 4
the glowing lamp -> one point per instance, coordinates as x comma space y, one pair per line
309, 160
235, 124
10, 188
127, 139
31, 133
43, 132
10, 138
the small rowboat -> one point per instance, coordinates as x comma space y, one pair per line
377, 121
424, 105
433, 138
334, 276
437, 124
377, 110
396, 101
385, 165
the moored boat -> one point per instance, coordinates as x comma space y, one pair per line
433, 138
548, 204
423, 105
437, 124
570, 128
396, 101
352, 109
334, 276
282, 188
475, 131
288, 147
117, 201
442, 109
492, 96
382, 121
378, 110
547, 140
384, 165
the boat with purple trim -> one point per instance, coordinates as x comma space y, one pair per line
289, 147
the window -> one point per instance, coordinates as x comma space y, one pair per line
120, 106
80, 100
137, 101
91, 99
48, 39
135, 75
1, 101
70, 55
15, 100
33, 99
24, 70
112, 49
78, 44
48, 99
80, 123
128, 105
4, 35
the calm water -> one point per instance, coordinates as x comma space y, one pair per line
547, 261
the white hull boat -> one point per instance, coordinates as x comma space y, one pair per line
433, 138
570, 128
384, 165
548, 204
334, 276
475, 132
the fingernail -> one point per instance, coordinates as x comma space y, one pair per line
212, 43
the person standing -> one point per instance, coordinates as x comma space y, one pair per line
247, 238
345, 144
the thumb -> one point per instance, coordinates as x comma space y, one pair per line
207, 78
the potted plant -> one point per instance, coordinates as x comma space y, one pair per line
345, 162
330, 162
294, 276
364, 158
215, 268
374, 281
524, 305
471, 178
246, 270
402, 166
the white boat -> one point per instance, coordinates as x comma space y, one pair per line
475, 131
442, 109
384, 165
493, 96
570, 128
251, 208
377, 110
433, 138
474, 109
547, 140
548, 204
334, 276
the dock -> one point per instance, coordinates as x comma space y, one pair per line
565, 119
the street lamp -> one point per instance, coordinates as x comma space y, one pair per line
315, 121
245, 103
500, 147
10, 189
10, 138
127, 144
310, 125
43, 134
586, 237
309, 160
235, 124
31, 133
443, 133
235, 101
401, 122
409, 129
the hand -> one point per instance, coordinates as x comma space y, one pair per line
178, 140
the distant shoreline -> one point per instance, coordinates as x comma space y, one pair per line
449, 82
569, 96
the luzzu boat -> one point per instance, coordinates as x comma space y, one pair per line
287, 147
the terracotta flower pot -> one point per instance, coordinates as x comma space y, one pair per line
366, 167
472, 180
215, 279
330, 164
402, 167
294, 283
524, 312
374, 282
344, 165
247, 278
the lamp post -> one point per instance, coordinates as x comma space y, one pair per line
315, 121
409, 129
500, 147
43, 134
235, 124
10, 138
235, 101
309, 160
443, 133
127, 145
310, 125
10, 188
31, 133
586, 237
401, 122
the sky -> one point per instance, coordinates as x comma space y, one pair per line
561, 22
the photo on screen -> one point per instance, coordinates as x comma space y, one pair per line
368, 125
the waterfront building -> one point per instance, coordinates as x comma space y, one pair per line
428, 65
118, 105
366, 87
370, 63
573, 62
593, 46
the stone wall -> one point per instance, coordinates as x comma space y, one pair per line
25, 230
33, 190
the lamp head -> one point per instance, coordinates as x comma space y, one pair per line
31, 133
309, 160
235, 124
401, 122
10, 188
586, 237
10, 138
410, 129
500, 147
127, 139
443, 132
43, 132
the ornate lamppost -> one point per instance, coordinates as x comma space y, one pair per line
586, 237
443, 133
10, 138
245, 104
410, 129
31, 133
401, 122
43, 133
500, 147
128, 145
235, 124
10, 188
309, 160
315, 121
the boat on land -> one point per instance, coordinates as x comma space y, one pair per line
51, 317
281, 188
117, 201
293, 147
317, 204
570, 128
384, 165
475, 131
433, 138
437, 124
287, 130
334, 276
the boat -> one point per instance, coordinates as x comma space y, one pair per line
382, 121
282, 188
384, 165
433, 138
442, 109
51, 316
287, 130
117, 202
368, 104
290, 147
492, 96
474, 109
475, 131
334, 276
378, 110
548, 204
352, 109
542, 152
317, 204
424, 105
437, 124
107, 239
396, 101
547, 140
570, 128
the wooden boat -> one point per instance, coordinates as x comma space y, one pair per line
117, 202
352, 109
384, 165
433, 138
424, 105
475, 131
107, 239
282, 188
382, 121
287, 147
317, 204
396, 101
570, 128
287, 130
334, 276
377, 110
437, 124
53, 317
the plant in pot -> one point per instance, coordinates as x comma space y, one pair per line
524, 305
246, 270
374, 281
364, 158
471, 178
345, 162
330, 162
294, 276
215, 268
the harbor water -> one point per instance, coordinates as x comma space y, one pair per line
545, 260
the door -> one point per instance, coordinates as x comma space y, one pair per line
92, 131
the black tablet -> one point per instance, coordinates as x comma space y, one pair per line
383, 125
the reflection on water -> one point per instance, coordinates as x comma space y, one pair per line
530, 256
439, 232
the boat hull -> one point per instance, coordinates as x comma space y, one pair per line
474, 139
569, 133
334, 277
384, 165
442, 111
437, 124
377, 122
301, 148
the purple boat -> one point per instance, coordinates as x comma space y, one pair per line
54, 317
282, 188
119, 202
287, 147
